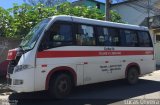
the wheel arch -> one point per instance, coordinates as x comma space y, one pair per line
62, 69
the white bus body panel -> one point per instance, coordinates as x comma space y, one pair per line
89, 69
28, 76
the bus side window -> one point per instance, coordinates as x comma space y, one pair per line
113, 37
107, 36
144, 39
130, 38
85, 36
102, 35
60, 35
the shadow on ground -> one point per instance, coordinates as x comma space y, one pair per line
95, 94
3, 80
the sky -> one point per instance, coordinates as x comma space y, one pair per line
9, 3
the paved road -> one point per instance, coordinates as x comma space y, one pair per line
113, 93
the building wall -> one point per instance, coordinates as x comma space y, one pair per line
130, 15
134, 12
102, 8
94, 4
5, 45
90, 3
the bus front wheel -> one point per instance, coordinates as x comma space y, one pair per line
60, 86
132, 75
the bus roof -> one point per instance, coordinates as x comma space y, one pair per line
98, 22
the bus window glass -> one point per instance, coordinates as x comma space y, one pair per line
31, 38
107, 36
144, 39
130, 38
102, 35
85, 35
60, 35
113, 38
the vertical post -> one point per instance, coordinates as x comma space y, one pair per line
148, 10
107, 10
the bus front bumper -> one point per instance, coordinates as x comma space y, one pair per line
21, 81
19, 85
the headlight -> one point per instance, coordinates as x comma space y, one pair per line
22, 67
17, 82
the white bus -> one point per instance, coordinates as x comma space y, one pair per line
66, 51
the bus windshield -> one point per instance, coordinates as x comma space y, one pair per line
31, 38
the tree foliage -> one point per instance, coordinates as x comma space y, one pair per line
5, 22
49, 3
16, 22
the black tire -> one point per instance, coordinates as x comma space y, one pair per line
60, 86
132, 76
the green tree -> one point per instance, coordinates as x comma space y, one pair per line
16, 22
49, 3
5, 22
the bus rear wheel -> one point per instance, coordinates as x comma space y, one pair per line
132, 76
60, 86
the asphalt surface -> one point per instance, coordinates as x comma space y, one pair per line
113, 92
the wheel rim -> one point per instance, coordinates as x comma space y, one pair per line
133, 76
63, 85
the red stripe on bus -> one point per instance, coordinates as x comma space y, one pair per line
44, 65
57, 54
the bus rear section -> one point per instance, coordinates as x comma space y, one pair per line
73, 51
